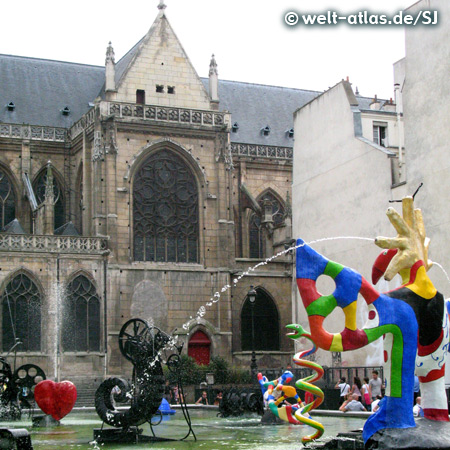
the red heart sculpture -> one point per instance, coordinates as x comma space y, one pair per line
55, 399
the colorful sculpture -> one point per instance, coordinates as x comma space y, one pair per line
412, 319
297, 414
55, 399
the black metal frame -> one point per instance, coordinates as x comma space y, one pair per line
142, 345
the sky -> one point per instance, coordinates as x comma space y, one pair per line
250, 39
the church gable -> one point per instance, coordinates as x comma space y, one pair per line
160, 73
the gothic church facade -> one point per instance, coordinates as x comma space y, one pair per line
139, 190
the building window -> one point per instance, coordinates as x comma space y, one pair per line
39, 189
256, 237
81, 317
171, 89
21, 314
256, 232
380, 134
7, 200
266, 324
160, 89
140, 97
165, 210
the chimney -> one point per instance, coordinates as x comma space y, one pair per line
375, 105
390, 106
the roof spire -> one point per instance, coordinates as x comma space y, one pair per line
161, 5
110, 54
213, 66
214, 83
110, 70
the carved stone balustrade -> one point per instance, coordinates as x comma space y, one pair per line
53, 244
167, 114
32, 132
262, 151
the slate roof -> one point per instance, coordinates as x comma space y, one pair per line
13, 227
41, 88
254, 106
68, 229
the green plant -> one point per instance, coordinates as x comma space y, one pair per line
191, 373
220, 368
239, 376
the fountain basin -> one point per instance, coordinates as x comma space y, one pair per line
76, 431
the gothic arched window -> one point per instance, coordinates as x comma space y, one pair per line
39, 188
256, 241
21, 310
266, 324
165, 210
256, 237
81, 317
7, 200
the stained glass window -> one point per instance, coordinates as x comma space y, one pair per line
21, 302
256, 237
266, 326
39, 189
256, 241
7, 200
165, 210
81, 317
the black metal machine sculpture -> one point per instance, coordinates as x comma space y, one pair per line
236, 402
143, 346
17, 388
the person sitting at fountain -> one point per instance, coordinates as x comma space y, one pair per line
168, 394
203, 400
344, 387
218, 398
418, 410
375, 404
175, 396
356, 388
353, 405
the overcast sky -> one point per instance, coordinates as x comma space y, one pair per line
249, 38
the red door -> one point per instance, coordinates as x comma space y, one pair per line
199, 348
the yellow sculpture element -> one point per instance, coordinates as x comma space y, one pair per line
411, 241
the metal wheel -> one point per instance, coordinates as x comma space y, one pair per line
26, 378
133, 338
174, 363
